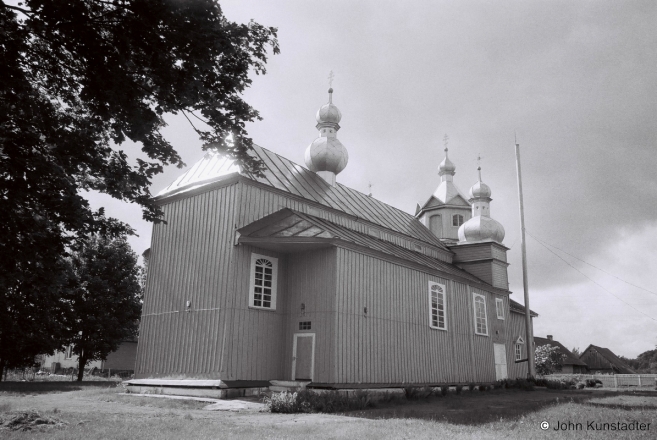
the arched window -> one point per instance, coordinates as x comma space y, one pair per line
481, 324
457, 220
437, 304
263, 282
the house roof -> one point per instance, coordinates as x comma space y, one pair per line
285, 175
520, 308
571, 359
614, 360
287, 225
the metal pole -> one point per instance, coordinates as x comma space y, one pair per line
525, 282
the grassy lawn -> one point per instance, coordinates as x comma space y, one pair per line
101, 413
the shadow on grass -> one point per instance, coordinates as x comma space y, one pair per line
477, 408
52, 387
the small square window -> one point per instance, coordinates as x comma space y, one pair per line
457, 220
305, 325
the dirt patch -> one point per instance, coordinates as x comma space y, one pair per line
29, 421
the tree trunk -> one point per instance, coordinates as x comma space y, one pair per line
82, 361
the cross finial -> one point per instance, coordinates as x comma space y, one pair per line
479, 165
445, 141
370, 187
330, 78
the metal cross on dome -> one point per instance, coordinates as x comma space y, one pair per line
330, 78
446, 141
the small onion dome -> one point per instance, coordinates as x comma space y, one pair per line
481, 228
328, 112
326, 154
480, 191
446, 166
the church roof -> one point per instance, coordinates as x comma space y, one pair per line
298, 228
285, 175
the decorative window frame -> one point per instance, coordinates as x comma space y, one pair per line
442, 294
499, 308
518, 352
518, 348
458, 220
476, 296
252, 283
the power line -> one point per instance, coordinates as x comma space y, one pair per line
590, 279
596, 267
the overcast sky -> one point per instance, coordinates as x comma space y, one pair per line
576, 80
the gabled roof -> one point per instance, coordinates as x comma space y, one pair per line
291, 226
520, 308
570, 359
285, 175
614, 360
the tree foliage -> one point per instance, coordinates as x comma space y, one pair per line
104, 294
548, 359
78, 78
646, 362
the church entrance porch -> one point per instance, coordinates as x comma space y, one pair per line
303, 356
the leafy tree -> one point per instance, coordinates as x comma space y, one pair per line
548, 359
77, 79
576, 351
104, 294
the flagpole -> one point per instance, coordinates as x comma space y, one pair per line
525, 282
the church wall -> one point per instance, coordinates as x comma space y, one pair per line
193, 258
516, 327
392, 342
311, 282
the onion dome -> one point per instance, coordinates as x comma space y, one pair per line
480, 190
326, 155
328, 112
481, 227
446, 166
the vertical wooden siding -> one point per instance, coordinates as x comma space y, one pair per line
311, 281
193, 259
516, 327
392, 342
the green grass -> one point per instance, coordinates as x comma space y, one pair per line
51, 387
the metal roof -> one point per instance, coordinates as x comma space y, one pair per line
287, 223
285, 175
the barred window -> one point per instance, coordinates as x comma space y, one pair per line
457, 220
437, 306
305, 325
263, 282
481, 325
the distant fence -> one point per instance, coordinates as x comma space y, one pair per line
612, 380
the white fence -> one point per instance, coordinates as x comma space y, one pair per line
612, 380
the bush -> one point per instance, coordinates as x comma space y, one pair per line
444, 390
580, 385
282, 403
483, 388
459, 389
471, 386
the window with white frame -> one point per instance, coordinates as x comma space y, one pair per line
499, 308
481, 324
518, 352
437, 303
457, 220
68, 354
263, 282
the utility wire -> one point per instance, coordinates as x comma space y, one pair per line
596, 267
587, 277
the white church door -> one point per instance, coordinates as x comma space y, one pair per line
500, 361
303, 356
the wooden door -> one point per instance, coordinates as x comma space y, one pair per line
303, 356
500, 361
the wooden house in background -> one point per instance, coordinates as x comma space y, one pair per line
294, 276
603, 360
571, 364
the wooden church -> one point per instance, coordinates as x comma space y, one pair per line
293, 276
